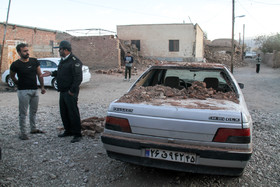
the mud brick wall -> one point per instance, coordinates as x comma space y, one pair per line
97, 52
272, 59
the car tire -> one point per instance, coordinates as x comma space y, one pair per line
10, 82
54, 83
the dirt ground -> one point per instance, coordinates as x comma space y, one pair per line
262, 93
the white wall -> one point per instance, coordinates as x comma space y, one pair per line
154, 39
199, 48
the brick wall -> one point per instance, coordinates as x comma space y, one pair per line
40, 41
97, 52
29, 34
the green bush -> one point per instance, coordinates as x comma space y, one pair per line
267, 44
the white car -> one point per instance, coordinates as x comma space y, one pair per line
250, 55
47, 64
189, 117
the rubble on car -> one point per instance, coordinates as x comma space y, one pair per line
198, 90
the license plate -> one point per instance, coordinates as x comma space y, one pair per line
171, 155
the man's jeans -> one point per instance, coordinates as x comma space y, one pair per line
127, 70
27, 98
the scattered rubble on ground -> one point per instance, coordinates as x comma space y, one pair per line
110, 71
115, 71
92, 125
222, 57
141, 63
198, 90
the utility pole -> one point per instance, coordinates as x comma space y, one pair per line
239, 39
243, 45
5, 30
232, 39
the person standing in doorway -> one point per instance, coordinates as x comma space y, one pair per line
258, 65
27, 70
128, 59
69, 77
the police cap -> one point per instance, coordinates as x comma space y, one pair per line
65, 45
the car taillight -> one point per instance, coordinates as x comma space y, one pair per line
117, 124
232, 135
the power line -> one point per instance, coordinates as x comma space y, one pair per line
119, 9
257, 21
246, 10
265, 3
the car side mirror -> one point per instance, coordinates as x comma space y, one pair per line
241, 85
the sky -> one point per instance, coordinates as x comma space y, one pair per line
213, 16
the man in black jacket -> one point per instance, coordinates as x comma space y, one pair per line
69, 77
128, 59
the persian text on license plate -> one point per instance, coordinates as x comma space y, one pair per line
171, 155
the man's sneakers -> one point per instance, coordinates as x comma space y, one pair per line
23, 137
126, 79
76, 139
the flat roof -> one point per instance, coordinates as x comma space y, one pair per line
28, 27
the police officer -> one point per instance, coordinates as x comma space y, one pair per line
69, 77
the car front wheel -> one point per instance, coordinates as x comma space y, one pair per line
54, 83
10, 82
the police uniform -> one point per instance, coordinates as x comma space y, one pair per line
69, 77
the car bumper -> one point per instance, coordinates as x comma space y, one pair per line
3, 78
86, 77
209, 161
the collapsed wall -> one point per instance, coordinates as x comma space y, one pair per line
222, 56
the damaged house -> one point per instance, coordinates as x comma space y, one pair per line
167, 42
41, 42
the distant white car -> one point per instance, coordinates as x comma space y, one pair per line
250, 54
47, 64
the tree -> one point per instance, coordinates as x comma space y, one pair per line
267, 44
205, 35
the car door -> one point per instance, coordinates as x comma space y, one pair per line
47, 65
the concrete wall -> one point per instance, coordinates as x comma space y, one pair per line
199, 47
154, 40
97, 52
272, 59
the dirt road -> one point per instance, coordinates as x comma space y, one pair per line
262, 90
46, 160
